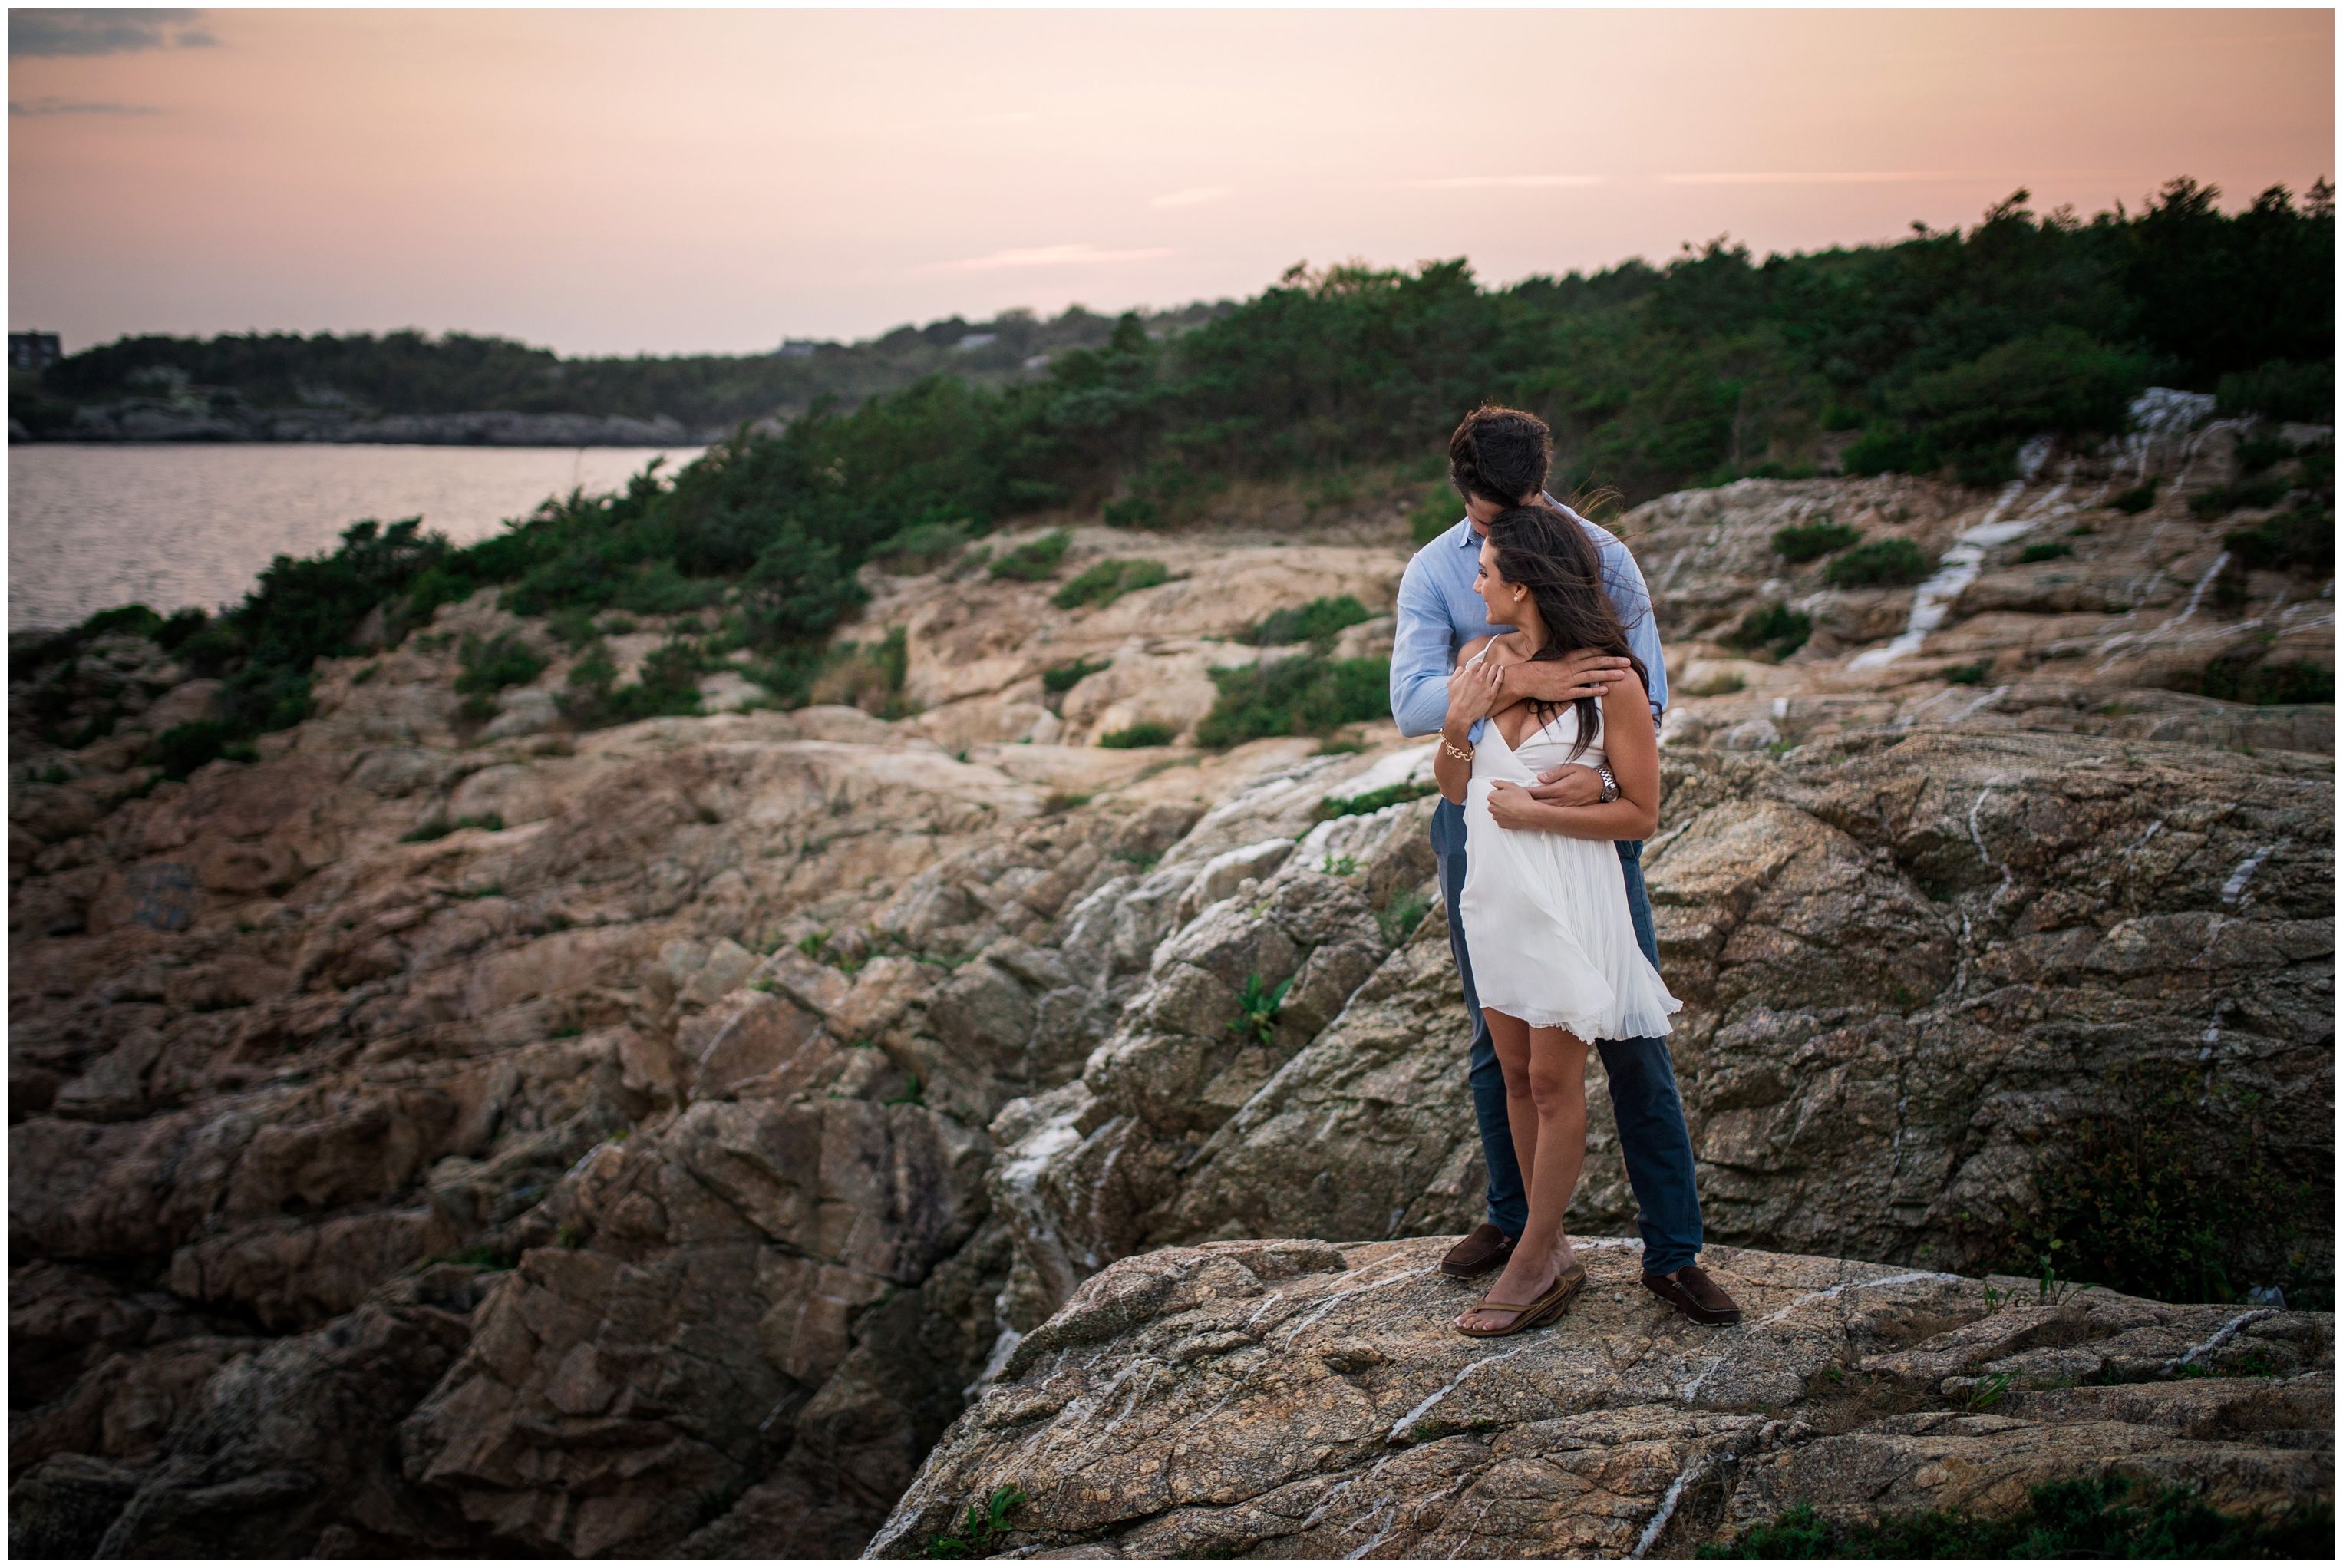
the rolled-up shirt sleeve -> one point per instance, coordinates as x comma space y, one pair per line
1420, 654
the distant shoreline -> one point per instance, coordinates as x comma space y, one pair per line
156, 424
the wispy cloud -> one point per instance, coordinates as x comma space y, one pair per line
1829, 177
971, 122
53, 33
1501, 182
75, 106
1195, 197
1049, 255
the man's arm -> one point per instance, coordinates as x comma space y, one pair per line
1419, 650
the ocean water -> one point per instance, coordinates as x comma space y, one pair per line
169, 524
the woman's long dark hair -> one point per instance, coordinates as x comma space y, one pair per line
1539, 550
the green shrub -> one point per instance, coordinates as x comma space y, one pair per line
1308, 695
1877, 563
503, 660
1109, 580
1802, 542
2263, 452
2286, 541
2261, 491
1968, 674
976, 1535
923, 547
868, 675
2245, 681
1398, 919
1258, 1007
2100, 1517
2060, 380
2281, 390
1061, 678
1434, 515
1319, 621
1885, 449
1777, 627
2136, 499
668, 685
2048, 550
1373, 800
573, 624
1138, 735
184, 747
1034, 561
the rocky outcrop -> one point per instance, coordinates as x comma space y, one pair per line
450, 1134
1292, 1398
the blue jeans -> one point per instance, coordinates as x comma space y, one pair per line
1644, 1100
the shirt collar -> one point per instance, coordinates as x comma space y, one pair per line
1473, 538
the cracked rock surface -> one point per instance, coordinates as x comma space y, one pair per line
1292, 1398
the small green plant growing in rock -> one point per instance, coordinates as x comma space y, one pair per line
1881, 562
1967, 674
1032, 561
1320, 621
1373, 800
1061, 678
1777, 628
1988, 1392
1258, 1007
984, 1520
911, 1095
1137, 736
811, 944
1398, 919
1810, 541
1109, 580
2046, 550
1339, 865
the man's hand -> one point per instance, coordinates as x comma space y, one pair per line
1569, 784
1471, 694
1585, 673
1509, 805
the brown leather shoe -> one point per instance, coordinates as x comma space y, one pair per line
1690, 1292
1484, 1249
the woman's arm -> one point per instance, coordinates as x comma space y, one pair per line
1632, 748
1471, 693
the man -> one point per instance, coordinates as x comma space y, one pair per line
1500, 458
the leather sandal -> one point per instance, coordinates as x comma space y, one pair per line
1531, 1314
1483, 1248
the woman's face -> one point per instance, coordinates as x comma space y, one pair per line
1503, 599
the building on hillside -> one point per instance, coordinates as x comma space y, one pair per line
35, 351
797, 348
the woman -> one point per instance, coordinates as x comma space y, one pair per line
1545, 905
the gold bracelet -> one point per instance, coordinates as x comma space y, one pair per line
1465, 755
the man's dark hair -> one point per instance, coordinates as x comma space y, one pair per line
1501, 453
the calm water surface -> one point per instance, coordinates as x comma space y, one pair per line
169, 524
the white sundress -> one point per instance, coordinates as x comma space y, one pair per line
1545, 915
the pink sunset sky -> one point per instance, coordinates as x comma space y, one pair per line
605, 181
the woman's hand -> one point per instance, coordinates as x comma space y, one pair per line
1472, 693
1510, 806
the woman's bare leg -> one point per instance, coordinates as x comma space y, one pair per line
1510, 1036
1558, 1089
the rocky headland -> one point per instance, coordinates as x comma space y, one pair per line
450, 1133
179, 419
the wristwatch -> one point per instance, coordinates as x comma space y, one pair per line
1610, 782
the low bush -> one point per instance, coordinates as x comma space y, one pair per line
2263, 452
1061, 678
2248, 680
1776, 628
1879, 563
1319, 621
2261, 491
1803, 542
2136, 499
1109, 580
503, 660
1034, 561
1139, 735
870, 676
1307, 695
2101, 1516
923, 547
668, 685
184, 747
1968, 674
2297, 540
1373, 800
2281, 390
2048, 550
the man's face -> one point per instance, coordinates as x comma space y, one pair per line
1481, 511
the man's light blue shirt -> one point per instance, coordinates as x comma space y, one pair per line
1440, 613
